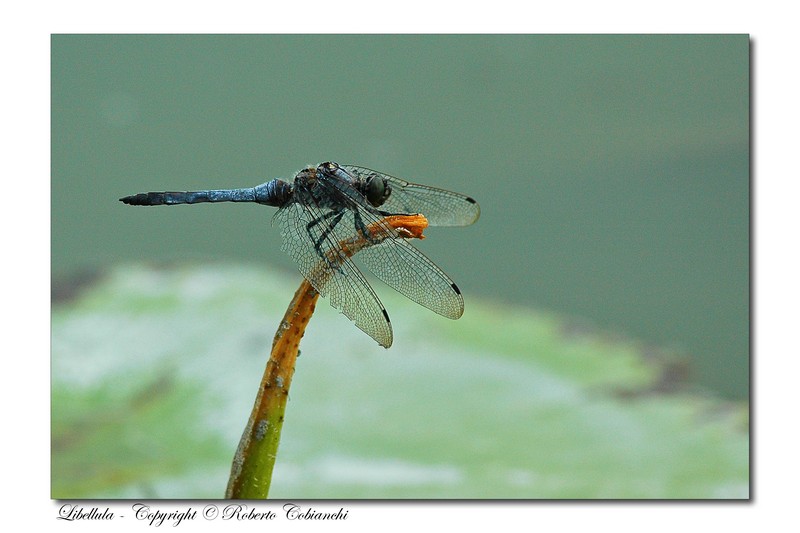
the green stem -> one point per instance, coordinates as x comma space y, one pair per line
251, 472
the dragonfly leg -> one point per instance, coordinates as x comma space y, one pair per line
321, 219
362, 229
336, 217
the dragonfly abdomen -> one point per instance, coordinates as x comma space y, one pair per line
274, 193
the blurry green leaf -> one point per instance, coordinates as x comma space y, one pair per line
135, 432
155, 372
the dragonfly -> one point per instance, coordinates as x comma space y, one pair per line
329, 204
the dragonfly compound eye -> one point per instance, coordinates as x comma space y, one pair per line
377, 190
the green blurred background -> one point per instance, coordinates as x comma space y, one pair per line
612, 171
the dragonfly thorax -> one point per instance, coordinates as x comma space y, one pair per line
373, 187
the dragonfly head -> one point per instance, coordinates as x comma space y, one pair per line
376, 190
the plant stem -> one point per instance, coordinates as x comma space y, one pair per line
251, 472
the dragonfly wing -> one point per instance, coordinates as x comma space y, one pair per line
407, 270
309, 238
440, 207
393, 259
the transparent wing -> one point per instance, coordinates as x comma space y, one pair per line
440, 207
313, 244
404, 268
393, 259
